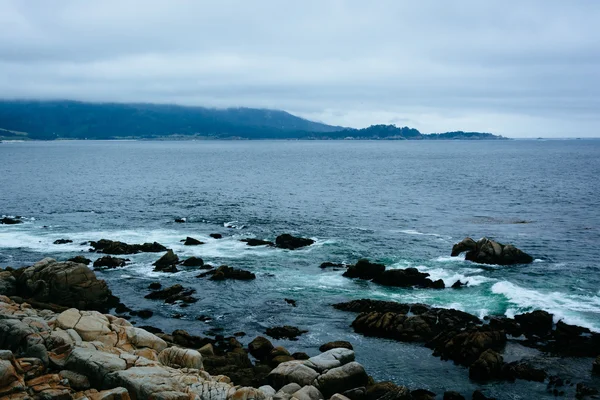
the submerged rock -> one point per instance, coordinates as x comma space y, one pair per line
285, 332
167, 262
287, 241
193, 262
115, 247
338, 344
62, 241
364, 269
10, 221
110, 262
486, 251
257, 242
226, 272
329, 264
80, 260
173, 294
216, 236
190, 241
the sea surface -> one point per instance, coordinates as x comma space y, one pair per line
402, 203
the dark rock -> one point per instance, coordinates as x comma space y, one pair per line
422, 394
364, 269
290, 301
239, 334
203, 318
122, 308
145, 313
453, 396
487, 366
180, 220
115, 247
284, 332
287, 241
226, 272
510, 326
407, 278
257, 242
457, 285
300, 356
466, 346
80, 260
387, 390
155, 285
486, 251
216, 236
335, 345
110, 262
167, 262
173, 294
10, 221
184, 339
190, 241
260, 347
478, 395
582, 390
522, 370
359, 393
332, 265
193, 262
365, 305
62, 241
537, 322
596, 366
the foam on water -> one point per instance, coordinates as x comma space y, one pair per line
567, 307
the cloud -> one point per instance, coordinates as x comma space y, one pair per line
517, 69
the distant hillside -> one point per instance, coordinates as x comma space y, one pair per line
48, 120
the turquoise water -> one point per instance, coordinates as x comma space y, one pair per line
400, 203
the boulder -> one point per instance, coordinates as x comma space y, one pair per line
285, 332
181, 220
216, 236
340, 379
80, 260
76, 381
465, 347
177, 357
458, 284
487, 366
308, 393
94, 364
291, 372
260, 348
115, 247
336, 345
364, 269
190, 241
486, 251
167, 262
172, 294
330, 359
537, 322
193, 262
451, 395
387, 390
287, 241
62, 241
64, 283
226, 272
596, 366
257, 242
110, 262
10, 221
155, 285
329, 264
8, 283
407, 278
524, 371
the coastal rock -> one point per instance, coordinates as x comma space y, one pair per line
284, 332
216, 236
94, 364
190, 241
451, 395
291, 372
466, 347
524, 371
330, 359
76, 381
338, 380
172, 294
110, 262
226, 272
596, 366
537, 322
193, 262
167, 262
177, 357
64, 283
407, 278
364, 269
308, 393
478, 395
260, 347
80, 260
387, 390
287, 241
10, 221
62, 241
257, 242
338, 344
115, 247
181, 220
8, 283
487, 366
486, 251
329, 264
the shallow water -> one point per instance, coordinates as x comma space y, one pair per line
400, 203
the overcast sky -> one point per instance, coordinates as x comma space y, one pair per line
516, 68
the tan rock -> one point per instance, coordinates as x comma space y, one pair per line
141, 338
181, 358
207, 350
291, 372
91, 325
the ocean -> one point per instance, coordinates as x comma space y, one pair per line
401, 203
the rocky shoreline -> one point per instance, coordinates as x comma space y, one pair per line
59, 340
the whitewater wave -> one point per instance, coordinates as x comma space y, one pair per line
471, 276
566, 307
415, 232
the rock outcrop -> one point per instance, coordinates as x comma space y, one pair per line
167, 263
257, 242
409, 277
287, 241
10, 221
285, 332
225, 272
486, 251
190, 241
108, 262
115, 247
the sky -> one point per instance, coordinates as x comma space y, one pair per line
515, 68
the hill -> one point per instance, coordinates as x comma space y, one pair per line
48, 120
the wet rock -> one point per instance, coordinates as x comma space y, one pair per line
167, 262
338, 380
285, 332
407, 278
300, 356
359, 393
582, 390
458, 284
8, 283
80, 260
76, 381
291, 372
486, 251
478, 395
190, 241
172, 294
257, 242
180, 220
226, 272
333, 358
260, 347
145, 313
465, 347
338, 344
216, 236
203, 318
422, 394
450, 395
537, 322
364, 269
10, 221
332, 265
291, 302
177, 357
193, 262
287, 241
596, 366
62, 241
115, 247
108, 262
487, 366
523, 370
308, 393
155, 286
64, 283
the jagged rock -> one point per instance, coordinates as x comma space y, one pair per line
465, 347
167, 262
10, 221
115, 247
340, 379
292, 302
291, 372
62, 241
216, 236
173, 294
110, 262
364, 269
330, 359
582, 390
226, 272
80, 260
486, 251
64, 283
260, 347
458, 284
180, 220
487, 366
177, 357
193, 262
407, 278
336, 345
537, 322
285, 332
287, 241
190, 241
257, 242
308, 393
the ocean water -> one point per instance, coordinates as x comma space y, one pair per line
400, 203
